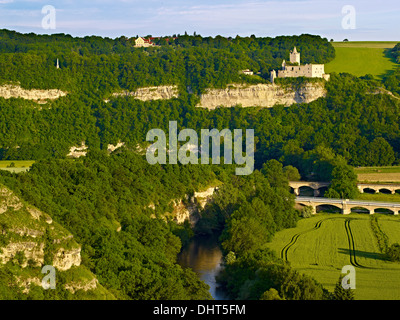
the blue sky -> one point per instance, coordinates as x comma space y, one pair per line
374, 20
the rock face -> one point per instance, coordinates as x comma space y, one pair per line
13, 91
152, 93
65, 259
30, 239
189, 209
260, 95
78, 151
31, 250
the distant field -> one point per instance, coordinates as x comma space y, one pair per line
18, 165
361, 58
319, 246
389, 174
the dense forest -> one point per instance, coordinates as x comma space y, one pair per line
104, 199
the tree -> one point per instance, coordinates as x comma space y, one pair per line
291, 173
307, 211
341, 293
380, 153
271, 294
343, 184
393, 252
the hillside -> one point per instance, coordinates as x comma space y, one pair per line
362, 58
30, 240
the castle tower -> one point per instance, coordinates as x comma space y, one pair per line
58, 65
295, 56
283, 65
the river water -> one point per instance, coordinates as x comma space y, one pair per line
204, 257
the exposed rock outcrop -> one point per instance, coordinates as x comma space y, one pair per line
151, 93
78, 151
32, 251
14, 91
112, 148
261, 95
189, 208
65, 259
85, 286
8, 200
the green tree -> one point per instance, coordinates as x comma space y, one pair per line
342, 294
343, 184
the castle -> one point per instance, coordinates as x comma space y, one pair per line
294, 69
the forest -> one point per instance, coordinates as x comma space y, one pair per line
103, 199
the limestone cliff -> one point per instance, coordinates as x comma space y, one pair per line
261, 95
151, 93
41, 96
189, 208
30, 239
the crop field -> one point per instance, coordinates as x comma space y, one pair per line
361, 58
322, 245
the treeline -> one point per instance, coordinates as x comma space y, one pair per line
392, 80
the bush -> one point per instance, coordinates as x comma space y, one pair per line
393, 252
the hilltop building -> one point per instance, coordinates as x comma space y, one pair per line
295, 69
141, 42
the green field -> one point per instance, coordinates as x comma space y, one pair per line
16, 165
361, 58
321, 246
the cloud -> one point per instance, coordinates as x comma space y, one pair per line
161, 17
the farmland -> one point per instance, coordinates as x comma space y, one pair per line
16, 165
322, 245
361, 58
389, 174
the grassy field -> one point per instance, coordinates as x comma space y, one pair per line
16, 165
361, 58
389, 174
319, 246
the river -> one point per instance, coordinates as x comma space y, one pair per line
204, 257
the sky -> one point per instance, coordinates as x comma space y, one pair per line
355, 20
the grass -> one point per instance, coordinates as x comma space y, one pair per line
389, 174
361, 58
18, 165
323, 251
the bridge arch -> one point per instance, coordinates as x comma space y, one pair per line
306, 191
361, 210
385, 191
331, 208
384, 211
368, 190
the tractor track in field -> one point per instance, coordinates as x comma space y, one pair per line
352, 247
286, 248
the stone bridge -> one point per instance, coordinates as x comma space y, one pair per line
346, 205
377, 188
362, 187
315, 185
